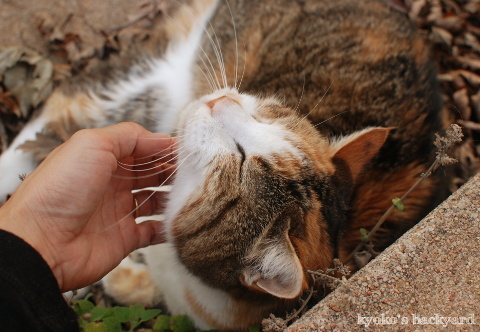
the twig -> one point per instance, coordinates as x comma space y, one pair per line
453, 135
298, 312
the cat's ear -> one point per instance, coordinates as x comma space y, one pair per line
357, 149
277, 269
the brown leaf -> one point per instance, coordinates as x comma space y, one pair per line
418, 10
473, 7
453, 77
450, 23
472, 41
8, 104
441, 36
131, 36
15, 80
462, 101
469, 61
469, 163
470, 124
148, 10
471, 77
75, 54
8, 58
473, 29
436, 12
475, 99
28, 76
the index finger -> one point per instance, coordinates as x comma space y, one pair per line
130, 139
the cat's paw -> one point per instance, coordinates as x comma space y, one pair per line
130, 283
14, 164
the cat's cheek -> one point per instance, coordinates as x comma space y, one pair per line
185, 185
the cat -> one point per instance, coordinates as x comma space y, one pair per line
298, 122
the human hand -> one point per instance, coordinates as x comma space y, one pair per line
77, 210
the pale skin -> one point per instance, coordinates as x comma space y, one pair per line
76, 208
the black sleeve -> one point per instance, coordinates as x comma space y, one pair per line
30, 299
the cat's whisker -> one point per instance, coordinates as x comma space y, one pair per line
161, 185
145, 170
244, 67
173, 152
218, 53
301, 95
209, 69
149, 196
236, 45
156, 154
321, 99
333, 116
126, 167
312, 109
210, 84
212, 75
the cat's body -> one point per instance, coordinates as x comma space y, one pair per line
261, 195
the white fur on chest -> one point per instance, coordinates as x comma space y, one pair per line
177, 287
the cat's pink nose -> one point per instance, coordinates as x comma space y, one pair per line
222, 103
212, 103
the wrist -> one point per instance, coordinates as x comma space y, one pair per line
13, 221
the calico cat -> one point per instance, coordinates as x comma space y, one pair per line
298, 122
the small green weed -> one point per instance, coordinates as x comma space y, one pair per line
398, 204
180, 323
92, 318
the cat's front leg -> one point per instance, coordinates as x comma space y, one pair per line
15, 162
58, 119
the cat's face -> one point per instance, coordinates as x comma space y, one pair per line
249, 206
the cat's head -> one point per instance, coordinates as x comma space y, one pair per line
260, 196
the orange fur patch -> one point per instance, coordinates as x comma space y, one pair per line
129, 286
314, 251
374, 197
67, 113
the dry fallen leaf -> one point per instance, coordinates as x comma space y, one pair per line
8, 104
441, 36
462, 101
28, 77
